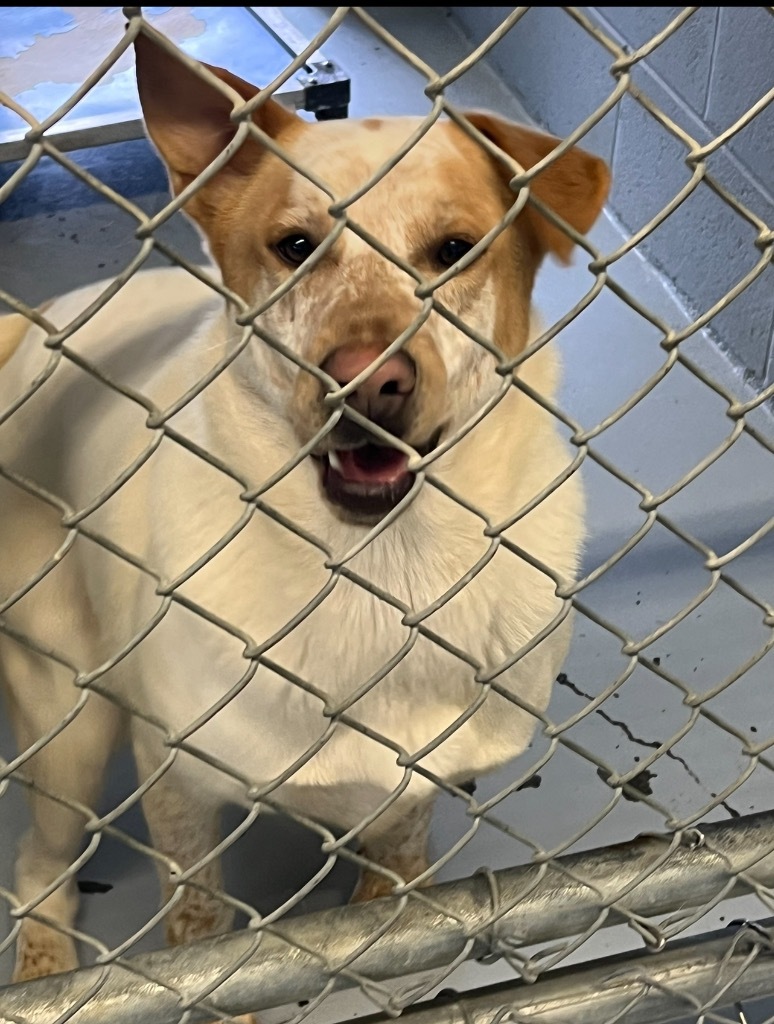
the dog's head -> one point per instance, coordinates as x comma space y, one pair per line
265, 220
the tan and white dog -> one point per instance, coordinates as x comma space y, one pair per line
238, 654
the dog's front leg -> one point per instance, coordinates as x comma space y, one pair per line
398, 842
184, 827
70, 767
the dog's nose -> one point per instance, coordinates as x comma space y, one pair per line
383, 395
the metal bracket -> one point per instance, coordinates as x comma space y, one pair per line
326, 91
325, 85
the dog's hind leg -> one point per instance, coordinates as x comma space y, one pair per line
68, 769
398, 844
12, 330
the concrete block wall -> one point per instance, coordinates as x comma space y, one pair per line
704, 77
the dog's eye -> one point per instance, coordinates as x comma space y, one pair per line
294, 249
453, 249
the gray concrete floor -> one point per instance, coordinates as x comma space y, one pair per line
60, 237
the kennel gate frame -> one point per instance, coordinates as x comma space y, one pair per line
709, 849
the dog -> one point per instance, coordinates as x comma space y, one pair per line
287, 541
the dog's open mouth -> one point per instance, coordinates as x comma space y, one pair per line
370, 480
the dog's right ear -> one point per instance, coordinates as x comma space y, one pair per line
189, 120
574, 186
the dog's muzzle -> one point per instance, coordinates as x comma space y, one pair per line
364, 478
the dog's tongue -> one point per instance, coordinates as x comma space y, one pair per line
371, 464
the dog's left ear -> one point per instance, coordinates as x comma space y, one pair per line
575, 186
189, 120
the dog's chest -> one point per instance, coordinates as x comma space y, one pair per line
368, 674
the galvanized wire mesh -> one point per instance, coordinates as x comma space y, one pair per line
531, 919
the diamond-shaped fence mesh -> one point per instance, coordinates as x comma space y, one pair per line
622, 826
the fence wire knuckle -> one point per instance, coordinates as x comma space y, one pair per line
599, 906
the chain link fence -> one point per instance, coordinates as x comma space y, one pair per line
514, 940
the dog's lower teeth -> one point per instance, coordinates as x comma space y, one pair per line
335, 461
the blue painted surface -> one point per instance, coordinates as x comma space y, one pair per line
22, 24
130, 168
225, 36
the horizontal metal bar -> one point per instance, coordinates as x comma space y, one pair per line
649, 988
296, 958
66, 141
80, 138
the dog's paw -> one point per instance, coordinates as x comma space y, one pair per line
371, 886
41, 951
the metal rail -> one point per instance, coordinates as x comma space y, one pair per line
638, 988
494, 913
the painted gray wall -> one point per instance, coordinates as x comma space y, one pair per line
704, 77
